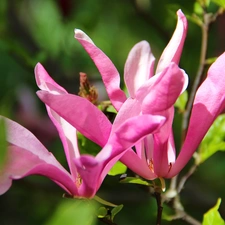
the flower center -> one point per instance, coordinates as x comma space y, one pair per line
78, 181
151, 165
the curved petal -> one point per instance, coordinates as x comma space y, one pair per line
90, 172
139, 67
209, 102
66, 132
68, 136
130, 108
81, 114
93, 170
173, 50
162, 154
28, 156
108, 71
45, 82
128, 134
164, 89
21, 163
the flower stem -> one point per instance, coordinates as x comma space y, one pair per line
159, 207
106, 221
104, 202
185, 177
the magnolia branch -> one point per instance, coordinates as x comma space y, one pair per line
159, 207
204, 44
207, 20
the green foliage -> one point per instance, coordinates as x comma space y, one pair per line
3, 143
108, 214
182, 101
220, 3
118, 168
103, 201
116, 210
105, 212
198, 8
102, 212
111, 109
209, 61
74, 212
86, 146
134, 180
212, 217
46, 25
213, 141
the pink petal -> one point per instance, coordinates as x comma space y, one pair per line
208, 104
133, 162
130, 108
28, 156
81, 114
108, 71
93, 170
45, 82
67, 132
173, 50
90, 171
164, 89
128, 134
162, 153
68, 136
139, 67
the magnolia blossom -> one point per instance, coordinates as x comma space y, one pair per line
149, 95
26, 155
155, 155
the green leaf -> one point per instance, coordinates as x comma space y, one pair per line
111, 109
109, 214
213, 141
115, 211
220, 3
3, 143
212, 217
102, 212
195, 19
134, 180
86, 146
198, 8
74, 212
182, 101
118, 168
209, 61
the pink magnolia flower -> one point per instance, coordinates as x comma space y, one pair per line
148, 95
155, 155
27, 156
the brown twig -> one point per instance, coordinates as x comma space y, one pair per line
106, 221
181, 214
204, 27
208, 18
159, 207
185, 177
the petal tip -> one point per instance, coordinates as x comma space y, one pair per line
182, 17
77, 32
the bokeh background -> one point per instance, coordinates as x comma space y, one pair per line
34, 31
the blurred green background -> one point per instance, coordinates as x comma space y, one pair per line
34, 31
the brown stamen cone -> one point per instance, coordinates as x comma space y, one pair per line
86, 90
